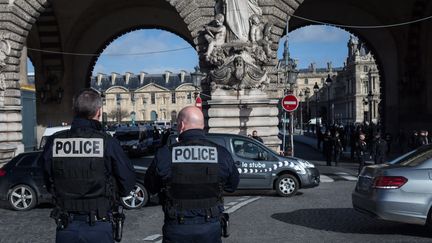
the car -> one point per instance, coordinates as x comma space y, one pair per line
136, 140
262, 168
22, 182
400, 190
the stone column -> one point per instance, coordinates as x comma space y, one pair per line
243, 112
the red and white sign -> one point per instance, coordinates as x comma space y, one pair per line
198, 102
290, 103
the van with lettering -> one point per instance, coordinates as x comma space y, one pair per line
262, 168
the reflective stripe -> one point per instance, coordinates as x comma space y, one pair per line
194, 154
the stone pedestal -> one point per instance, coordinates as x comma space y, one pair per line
242, 112
10, 133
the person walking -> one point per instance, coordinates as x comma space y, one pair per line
379, 149
86, 171
338, 148
328, 147
360, 151
189, 177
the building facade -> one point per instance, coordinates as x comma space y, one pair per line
346, 95
144, 97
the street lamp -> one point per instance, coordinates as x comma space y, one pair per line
370, 95
328, 82
316, 90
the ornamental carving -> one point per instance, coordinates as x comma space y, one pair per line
5, 50
238, 46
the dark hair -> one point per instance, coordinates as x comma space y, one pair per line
86, 103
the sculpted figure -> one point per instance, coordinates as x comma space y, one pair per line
215, 35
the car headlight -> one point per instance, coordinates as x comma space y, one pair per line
306, 164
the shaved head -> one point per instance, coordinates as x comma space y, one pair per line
190, 117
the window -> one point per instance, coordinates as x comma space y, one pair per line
173, 97
365, 86
153, 98
365, 69
306, 81
249, 150
189, 97
118, 99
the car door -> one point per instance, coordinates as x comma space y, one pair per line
254, 162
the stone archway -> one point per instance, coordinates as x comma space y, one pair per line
82, 19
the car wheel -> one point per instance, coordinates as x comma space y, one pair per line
137, 198
22, 197
287, 185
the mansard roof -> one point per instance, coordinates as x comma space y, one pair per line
174, 81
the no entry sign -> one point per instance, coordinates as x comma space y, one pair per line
198, 102
290, 103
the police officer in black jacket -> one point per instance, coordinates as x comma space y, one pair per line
86, 169
190, 177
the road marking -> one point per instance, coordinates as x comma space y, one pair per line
324, 178
152, 237
239, 205
230, 203
340, 173
349, 177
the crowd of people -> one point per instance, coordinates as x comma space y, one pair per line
365, 142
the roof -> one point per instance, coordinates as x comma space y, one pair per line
134, 81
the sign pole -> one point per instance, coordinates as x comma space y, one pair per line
292, 133
284, 133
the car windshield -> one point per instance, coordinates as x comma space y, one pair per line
414, 157
127, 136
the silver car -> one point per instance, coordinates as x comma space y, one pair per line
400, 190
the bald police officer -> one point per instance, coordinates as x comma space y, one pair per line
86, 170
190, 177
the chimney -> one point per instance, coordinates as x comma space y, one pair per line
142, 75
113, 77
329, 67
99, 78
167, 75
182, 76
127, 77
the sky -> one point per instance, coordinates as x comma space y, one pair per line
315, 43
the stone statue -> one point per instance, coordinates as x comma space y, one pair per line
238, 74
5, 50
260, 38
237, 14
215, 35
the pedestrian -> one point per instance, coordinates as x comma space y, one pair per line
422, 139
86, 170
328, 147
360, 151
379, 149
256, 137
413, 141
338, 148
190, 187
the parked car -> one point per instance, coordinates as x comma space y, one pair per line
262, 168
22, 183
400, 190
136, 140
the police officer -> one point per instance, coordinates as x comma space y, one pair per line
328, 147
189, 177
85, 170
379, 149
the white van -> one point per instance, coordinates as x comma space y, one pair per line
50, 131
162, 124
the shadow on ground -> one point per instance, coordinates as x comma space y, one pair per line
347, 220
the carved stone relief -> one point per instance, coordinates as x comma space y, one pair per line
5, 50
238, 46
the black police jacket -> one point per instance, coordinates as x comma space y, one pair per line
117, 164
160, 169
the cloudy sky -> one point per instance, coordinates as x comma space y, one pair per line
318, 44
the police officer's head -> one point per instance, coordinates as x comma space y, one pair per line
190, 117
87, 104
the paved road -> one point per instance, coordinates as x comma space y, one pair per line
322, 214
